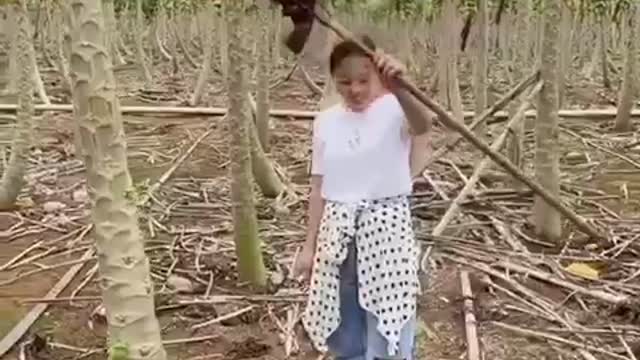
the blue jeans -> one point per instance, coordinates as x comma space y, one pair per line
357, 337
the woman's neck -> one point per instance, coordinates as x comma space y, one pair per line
377, 94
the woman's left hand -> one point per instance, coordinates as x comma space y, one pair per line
390, 69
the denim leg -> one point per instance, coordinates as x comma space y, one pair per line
347, 342
377, 344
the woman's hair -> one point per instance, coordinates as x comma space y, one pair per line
347, 48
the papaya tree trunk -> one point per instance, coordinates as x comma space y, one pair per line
12, 79
180, 42
140, 54
629, 87
127, 289
13, 177
449, 49
251, 267
223, 40
604, 62
565, 50
263, 67
205, 70
35, 74
157, 32
261, 165
515, 144
481, 63
277, 32
61, 56
548, 222
111, 37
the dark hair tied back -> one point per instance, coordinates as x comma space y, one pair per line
348, 48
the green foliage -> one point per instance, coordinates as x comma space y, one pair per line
138, 193
612, 10
599, 7
468, 7
119, 351
150, 7
404, 9
620, 8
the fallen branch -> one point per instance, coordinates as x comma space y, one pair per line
453, 209
190, 340
223, 299
47, 300
473, 349
544, 276
310, 83
169, 110
543, 305
484, 116
224, 317
167, 174
21, 328
90, 274
9, 263
603, 149
558, 339
293, 316
286, 77
591, 114
81, 261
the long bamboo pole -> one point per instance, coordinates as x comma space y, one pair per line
484, 116
453, 209
459, 127
590, 114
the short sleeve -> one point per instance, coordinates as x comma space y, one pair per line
400, 119
317, 149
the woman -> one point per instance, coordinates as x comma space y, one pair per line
360, 255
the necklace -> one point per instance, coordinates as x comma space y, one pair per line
356, 122
354, 142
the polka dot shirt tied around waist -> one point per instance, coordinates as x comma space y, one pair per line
387, 263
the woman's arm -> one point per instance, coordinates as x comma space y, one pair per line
419, 117
315, 211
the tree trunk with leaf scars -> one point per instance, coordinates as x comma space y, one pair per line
140, 54
245, 223
127, 289
629, 89
448, 58
548, 222
207, 41
263, 73
8, 62
602, 40
566, 35
13, 177
223, 38
481, 63
111, 30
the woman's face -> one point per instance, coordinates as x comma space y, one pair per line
357, 82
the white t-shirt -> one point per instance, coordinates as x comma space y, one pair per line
362, 156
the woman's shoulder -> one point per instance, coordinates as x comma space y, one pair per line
327, 116
330, 111
390, 101
388, 107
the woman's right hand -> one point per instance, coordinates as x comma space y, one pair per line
304, 263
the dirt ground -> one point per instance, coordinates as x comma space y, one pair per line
194, 204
